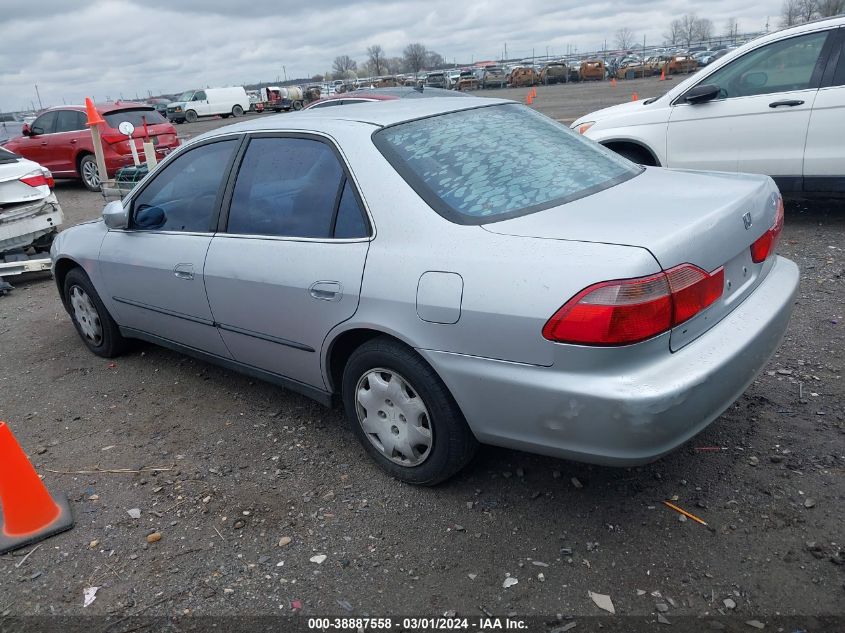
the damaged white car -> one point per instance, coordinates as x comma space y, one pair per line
29, 216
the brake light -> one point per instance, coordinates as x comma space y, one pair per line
628, 311
41, 178
766, 244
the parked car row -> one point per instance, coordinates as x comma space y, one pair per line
59, 139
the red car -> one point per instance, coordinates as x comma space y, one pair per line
60, 141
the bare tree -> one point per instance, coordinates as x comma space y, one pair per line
375, 59
690, 29
732, 28
790, 13
807, 10
393, 65
704, 29
433, 60
415, 57
829, 8
625, 38
673, 37
317, 78
343, 66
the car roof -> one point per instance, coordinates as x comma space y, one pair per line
105, 108
376, 113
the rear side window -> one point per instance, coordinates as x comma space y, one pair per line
838, 58
293, 187
70, 121
183, 195
491, 163
135, 116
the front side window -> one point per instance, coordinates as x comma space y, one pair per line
183, 196
777, 67
287, 187
492, 163
200, 96
45, 124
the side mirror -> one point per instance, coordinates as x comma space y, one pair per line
702, 93
115, 215
25, 131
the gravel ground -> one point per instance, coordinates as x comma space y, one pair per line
266, 504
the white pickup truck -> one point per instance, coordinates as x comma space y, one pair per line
30, 216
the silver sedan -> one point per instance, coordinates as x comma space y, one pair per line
453, 271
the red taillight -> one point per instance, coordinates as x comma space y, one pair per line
41, 178
766, 244
632, 310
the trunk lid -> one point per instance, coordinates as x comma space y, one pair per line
706, 219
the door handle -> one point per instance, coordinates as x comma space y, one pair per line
184, 271
73, 141
44, 144
326, 290
789, 102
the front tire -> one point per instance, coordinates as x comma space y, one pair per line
191, 116
89, 172
403, 414
92, 321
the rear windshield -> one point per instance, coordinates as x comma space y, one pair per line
8, 157
492, 163
135, 117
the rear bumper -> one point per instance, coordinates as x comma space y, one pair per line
623, 416
28, 223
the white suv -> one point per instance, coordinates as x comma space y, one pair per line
774, 106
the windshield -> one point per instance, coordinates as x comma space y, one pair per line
186, 96
495, 162
135, 116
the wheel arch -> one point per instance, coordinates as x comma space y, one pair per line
77, 160
614, 143
342, 344
61, 268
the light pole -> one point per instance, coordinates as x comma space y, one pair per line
38, 94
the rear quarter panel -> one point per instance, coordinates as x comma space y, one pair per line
511, 285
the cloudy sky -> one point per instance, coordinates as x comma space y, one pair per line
105, 48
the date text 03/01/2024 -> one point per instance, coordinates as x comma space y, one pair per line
412, 624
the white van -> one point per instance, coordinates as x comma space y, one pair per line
209, 102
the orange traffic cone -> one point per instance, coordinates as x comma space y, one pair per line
94, 117
634, 96
29, 513
529, 99
613, 82
662, 74
534, 92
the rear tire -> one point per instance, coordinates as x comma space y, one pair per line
89, 172
403, 414
297, 105
191, 116
90, 317
237, 111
